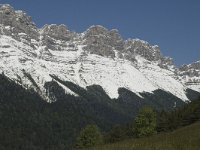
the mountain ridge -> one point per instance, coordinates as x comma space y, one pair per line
97, 56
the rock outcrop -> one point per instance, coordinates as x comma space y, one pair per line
101, 41
17, 23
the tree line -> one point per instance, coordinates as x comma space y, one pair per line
147, 123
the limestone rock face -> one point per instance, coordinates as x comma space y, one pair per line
59, 32
191, 70
196, 65
166, 62
17, 22
56, 37
144, 49
97, 41
101, 41
190, 75
116, 40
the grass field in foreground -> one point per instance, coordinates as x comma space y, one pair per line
186, 138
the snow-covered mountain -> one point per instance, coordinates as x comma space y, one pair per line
190, 75
98, 56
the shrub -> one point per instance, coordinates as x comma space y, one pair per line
145, 122
89, 136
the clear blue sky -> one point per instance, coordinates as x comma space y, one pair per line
174, 25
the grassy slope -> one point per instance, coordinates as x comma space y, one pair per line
187, 138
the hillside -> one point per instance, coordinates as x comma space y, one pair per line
186, 138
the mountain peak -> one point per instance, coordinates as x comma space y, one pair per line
56, 31
97, 29
16, 22
6, 7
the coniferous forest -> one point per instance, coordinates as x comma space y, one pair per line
28, 122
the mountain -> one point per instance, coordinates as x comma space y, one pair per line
54, 81
31, 56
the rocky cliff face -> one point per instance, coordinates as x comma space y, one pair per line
16, 22
30, 56
101, 41
190, 75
